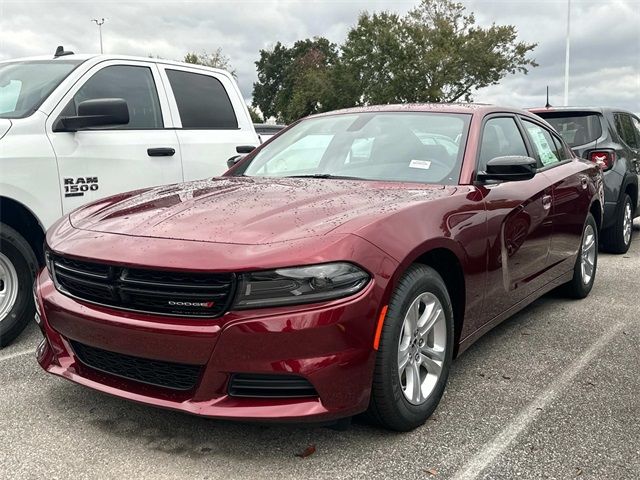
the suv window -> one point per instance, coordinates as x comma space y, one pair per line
500, 137
133, 84
626, 130
542, 141
202, 101
575, 127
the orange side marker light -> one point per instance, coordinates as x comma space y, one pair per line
376, 339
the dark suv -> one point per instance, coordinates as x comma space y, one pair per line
611, 137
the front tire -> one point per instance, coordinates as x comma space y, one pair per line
415, 351
617, 238
18, 266
584, 270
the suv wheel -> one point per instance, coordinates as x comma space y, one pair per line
17, 270
617, 239
415, 351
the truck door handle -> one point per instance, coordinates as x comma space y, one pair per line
161, 152
546, 202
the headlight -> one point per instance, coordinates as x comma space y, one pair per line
289, 286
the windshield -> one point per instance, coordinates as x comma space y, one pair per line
393, 146
25, 85
576, 128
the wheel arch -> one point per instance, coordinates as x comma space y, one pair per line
596, 210
25, 222
631, 189
446, 257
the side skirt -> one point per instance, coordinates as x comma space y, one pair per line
470, 339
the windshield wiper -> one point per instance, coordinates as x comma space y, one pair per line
325, 175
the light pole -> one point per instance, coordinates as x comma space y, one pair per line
99, 24
567, 55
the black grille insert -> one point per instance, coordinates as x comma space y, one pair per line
270, 386
176, 376
163, 292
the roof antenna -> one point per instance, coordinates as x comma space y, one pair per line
548, 105
60, 52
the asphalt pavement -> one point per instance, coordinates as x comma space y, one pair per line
552, 393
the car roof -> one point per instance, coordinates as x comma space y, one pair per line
82, 57
538, 110
468, 108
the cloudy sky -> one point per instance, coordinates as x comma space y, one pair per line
605, 37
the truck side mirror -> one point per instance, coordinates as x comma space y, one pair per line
233, 160
99, 112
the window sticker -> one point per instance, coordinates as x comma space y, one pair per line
423, 164
545, 151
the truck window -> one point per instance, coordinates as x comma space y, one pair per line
202, 101
131, 83
25, 85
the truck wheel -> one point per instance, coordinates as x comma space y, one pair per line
617, 238
415, 352
18, 267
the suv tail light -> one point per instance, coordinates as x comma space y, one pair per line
604, 158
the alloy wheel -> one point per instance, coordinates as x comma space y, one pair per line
8, 286
627, 224
422, 348
588, 254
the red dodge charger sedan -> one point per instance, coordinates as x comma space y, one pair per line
337, 269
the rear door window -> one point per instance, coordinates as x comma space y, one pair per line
574, 127
202, 101
543, 143
626, 130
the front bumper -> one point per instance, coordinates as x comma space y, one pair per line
329, 344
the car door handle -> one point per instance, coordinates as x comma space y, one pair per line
161, 152
546, 201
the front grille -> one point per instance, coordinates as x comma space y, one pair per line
177, 376
270, 386
163, 292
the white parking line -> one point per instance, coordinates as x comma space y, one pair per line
482, 459
9, 356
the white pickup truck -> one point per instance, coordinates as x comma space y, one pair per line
75, 128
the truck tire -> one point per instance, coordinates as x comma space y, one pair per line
617, 238
18, 266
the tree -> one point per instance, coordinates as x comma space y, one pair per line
292, 81
255, 115
215, 59
435, 53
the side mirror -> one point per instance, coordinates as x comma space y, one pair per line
233, 160
511, 168
245, 148
100, 112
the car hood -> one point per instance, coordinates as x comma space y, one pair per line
253, 211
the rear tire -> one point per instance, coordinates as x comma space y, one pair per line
403, 397
584, 270
617, 238
18, 266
